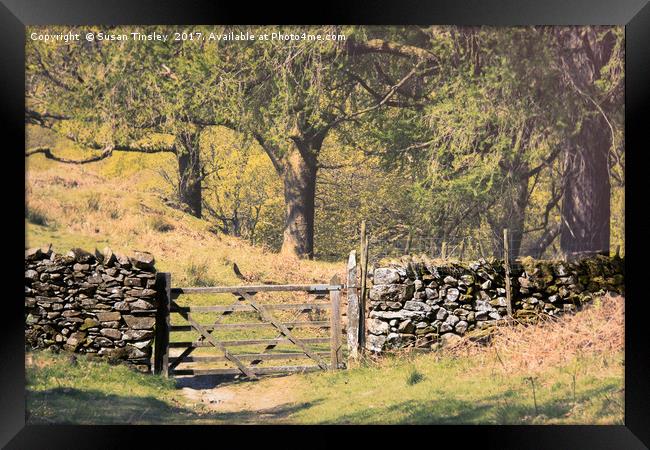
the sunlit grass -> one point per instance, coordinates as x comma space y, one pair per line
455, 391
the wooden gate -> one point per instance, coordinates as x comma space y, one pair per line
320, 352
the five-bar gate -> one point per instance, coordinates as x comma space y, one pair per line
283, 348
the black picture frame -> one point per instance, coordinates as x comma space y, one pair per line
15, 15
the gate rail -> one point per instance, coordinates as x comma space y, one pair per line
246, 363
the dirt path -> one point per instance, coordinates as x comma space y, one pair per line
269, 400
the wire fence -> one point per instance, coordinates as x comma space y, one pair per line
484, 244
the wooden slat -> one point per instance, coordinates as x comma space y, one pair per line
237, 326
283, 329
312, 288
270, 347
223, 308
208, 339
257, 370
220, 346
237, 343
176, 360
247, 357
189, 350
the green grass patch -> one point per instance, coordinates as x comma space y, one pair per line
414, 377
443, 390
94, 392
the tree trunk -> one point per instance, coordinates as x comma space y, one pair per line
189, 173
585, 206
299, 178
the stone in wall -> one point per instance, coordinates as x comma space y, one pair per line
416, 302
102, 303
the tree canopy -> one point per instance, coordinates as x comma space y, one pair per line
428, 132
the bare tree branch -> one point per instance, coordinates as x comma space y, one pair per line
107, 151
392, 48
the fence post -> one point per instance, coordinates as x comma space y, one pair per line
161, 349
335, 323
506, 263
353, 306
480, 247
409, 241
364, 277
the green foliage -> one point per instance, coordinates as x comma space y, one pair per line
359, 188
474, 141
242, 194
414, 377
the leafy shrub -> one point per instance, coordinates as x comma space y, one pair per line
197, 274
414, 377
36, 216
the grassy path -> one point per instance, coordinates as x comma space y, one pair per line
410, 389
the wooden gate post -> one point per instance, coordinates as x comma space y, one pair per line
161, 350
364, 276
506, 263
353, 307
335, 322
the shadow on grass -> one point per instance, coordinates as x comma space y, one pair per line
74, 406
213, 381
208, 381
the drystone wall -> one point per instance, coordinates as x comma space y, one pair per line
102, 304
416, 302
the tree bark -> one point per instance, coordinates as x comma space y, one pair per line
299, 178
190, 172
585, 207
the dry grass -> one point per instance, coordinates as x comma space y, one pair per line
88, 207
518, 348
